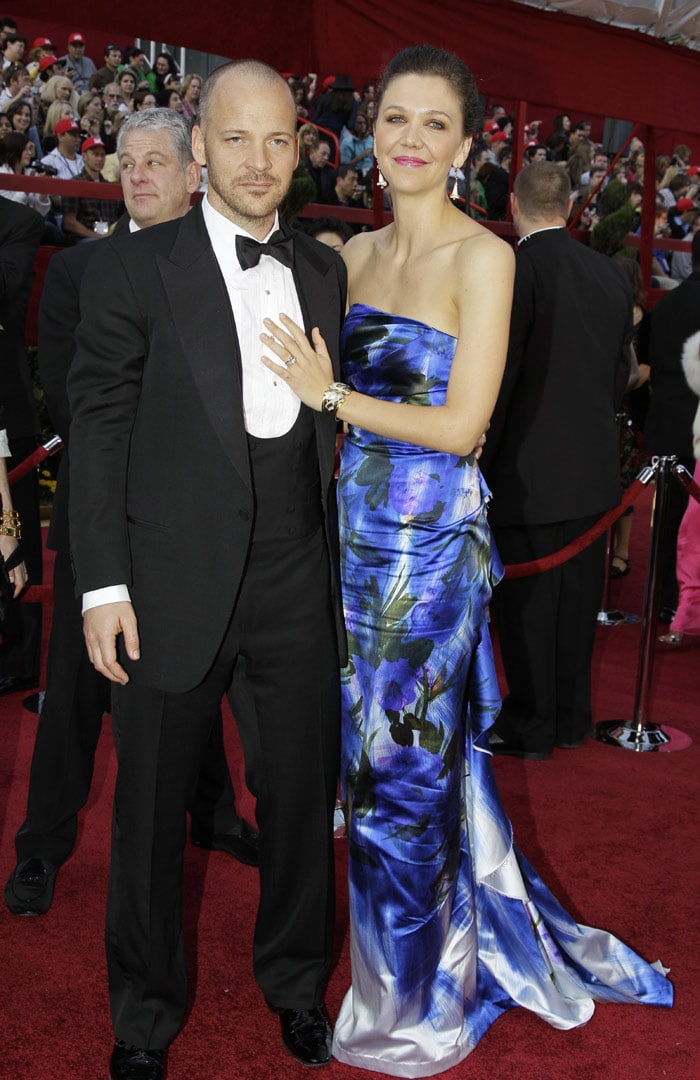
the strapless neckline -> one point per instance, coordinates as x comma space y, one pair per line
400, 318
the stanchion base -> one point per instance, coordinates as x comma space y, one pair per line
655, 738
615, 617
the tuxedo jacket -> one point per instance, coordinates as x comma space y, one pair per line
59, 315
161, 496
669, 424
551, 453
20, 237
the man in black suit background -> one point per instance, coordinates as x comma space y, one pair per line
668, 429
20, 237
552, 462
203, 528
158, 176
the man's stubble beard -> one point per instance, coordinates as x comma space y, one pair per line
246, 205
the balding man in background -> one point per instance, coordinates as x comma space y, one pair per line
552, 462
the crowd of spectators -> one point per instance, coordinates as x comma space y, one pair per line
58, 99
60, 113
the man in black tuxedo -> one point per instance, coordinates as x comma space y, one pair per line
158, 177
20, 236
669, 425
203, 527
552, 462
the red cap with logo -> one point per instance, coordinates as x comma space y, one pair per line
93, 143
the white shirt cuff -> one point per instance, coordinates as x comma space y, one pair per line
111, 594
4, 445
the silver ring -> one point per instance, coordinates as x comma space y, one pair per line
290, 361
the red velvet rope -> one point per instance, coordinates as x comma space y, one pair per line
40, 454
691, 487
548, 562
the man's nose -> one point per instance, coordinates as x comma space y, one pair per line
258, 157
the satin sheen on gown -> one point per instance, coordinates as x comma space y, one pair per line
450, 926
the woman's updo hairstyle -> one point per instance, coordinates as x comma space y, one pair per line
429, 60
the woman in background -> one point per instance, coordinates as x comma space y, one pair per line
191, 89
685, 628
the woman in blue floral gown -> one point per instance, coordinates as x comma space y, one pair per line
450, 926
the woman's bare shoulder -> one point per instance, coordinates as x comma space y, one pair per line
479, 248
363, 247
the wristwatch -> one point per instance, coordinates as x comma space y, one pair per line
334, 397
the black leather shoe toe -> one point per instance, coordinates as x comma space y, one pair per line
131, 1063
306, 1034
241, 845
9, 684
29, 890
502, 747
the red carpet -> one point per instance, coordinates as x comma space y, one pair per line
612, 832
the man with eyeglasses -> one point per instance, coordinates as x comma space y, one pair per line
113, 100
77, 65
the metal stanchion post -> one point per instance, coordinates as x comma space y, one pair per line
608, 616
638, 734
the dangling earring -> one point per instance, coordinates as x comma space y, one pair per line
454, 194
381, 182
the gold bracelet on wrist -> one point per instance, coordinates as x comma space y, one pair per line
334, 397
10, 524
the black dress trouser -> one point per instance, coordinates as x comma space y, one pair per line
546, 628
278, 663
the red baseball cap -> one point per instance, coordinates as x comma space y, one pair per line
93, 143
72, 38
66, 125
46, 62
685, 204
43, 43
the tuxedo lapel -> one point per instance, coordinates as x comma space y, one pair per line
202, 317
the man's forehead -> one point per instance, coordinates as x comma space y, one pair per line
147, 142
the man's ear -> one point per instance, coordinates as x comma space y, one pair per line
193, 175
198, 145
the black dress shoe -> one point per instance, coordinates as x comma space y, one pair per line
10, 683
29, 889
242, 845
131, 1063
508, 749
306, 1034
667, 615
574, 744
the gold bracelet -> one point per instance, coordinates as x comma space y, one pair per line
10, 524
334, 397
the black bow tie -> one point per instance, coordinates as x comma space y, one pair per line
281, 247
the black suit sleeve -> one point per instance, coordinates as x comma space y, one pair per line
59, 315
20, 236
521, 321
104, 386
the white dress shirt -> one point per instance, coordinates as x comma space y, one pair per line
270, 407
66, 168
